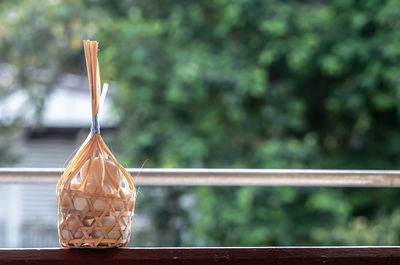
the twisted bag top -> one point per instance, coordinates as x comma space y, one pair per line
95, 194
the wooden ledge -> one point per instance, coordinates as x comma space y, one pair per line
192, 256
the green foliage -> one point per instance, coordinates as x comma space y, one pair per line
265, 84
42, 40
250, 83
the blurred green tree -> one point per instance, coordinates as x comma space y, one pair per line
250, 83
264, 84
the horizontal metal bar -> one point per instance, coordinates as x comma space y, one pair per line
226, 177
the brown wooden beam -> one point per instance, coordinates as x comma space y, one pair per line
193, 256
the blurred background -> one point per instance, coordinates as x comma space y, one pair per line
218, 84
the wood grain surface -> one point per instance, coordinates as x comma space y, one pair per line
192, 256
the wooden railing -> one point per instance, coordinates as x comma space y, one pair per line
236, 255
194, 256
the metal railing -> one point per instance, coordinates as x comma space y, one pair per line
226, 177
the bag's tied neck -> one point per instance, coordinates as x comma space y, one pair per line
95, 128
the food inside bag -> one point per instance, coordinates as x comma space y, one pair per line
95, 194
